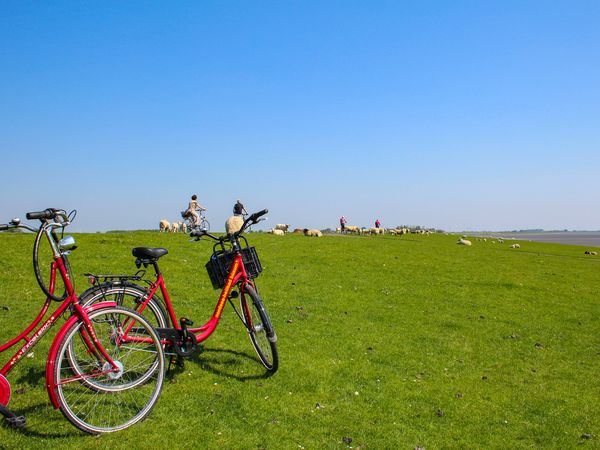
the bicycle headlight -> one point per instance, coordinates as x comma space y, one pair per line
67, 243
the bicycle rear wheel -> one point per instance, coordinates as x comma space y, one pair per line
130, 296
259, 327
92, 396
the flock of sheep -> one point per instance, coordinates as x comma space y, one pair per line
398, 231
165, 227
464, 241
282, 228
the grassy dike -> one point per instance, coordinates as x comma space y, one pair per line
385, 342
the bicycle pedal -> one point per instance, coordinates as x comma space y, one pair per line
16, 422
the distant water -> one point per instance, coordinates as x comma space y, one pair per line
584, 238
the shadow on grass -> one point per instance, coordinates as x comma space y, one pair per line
33, 376
51, 420
222, 362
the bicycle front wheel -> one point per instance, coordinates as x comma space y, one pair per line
94, 396
205, 224
259, 327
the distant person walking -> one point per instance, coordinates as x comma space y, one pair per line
343, 224
377, 223
193, 209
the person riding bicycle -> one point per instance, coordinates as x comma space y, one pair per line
193, 209
238, 208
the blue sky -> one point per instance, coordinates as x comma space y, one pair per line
456, 115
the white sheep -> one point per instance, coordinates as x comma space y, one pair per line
313, 233
352, 229
282, 226
175, 227
183, 227
515, 246
233, 224
164, 226
463, 241
276, 232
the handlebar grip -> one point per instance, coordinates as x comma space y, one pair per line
49, 213
3, 227
254, 217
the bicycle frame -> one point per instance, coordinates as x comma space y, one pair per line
236, 273
71, 302
78, 313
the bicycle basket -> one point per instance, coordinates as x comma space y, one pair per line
219, 264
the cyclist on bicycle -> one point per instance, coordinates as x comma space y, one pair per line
193, 209
238, 208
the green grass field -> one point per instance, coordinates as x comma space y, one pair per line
385, 342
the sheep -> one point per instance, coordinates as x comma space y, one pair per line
233, 224
183, 227
175, 227
282, 226
164, 226
298, 231
365, 231
276, 232
463, 241
515, 246
392, 231
375, 230
312, 233
337, 230
352, 229
587, 252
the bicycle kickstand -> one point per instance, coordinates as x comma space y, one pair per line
12, 419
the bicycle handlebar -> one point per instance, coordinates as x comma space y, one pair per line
251, 220
49, 213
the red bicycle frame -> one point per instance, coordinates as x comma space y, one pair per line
236, 273
79, 313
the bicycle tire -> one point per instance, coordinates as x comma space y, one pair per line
260, 329
128, 295
38, 273
205, 224
99, 401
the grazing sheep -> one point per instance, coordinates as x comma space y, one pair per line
164, 226
183, 227
298, 231
175, 227
233, 224
515, 246
282, 226
587, 252
462, 241
375, 230
276, 232
313, 233
352, 229
392, 231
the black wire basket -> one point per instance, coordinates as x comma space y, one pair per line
220, 262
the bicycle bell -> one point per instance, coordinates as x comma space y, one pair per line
16, 221
67, 243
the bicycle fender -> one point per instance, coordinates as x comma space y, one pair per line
51, 361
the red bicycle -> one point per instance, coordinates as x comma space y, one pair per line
101, 380
232, 268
